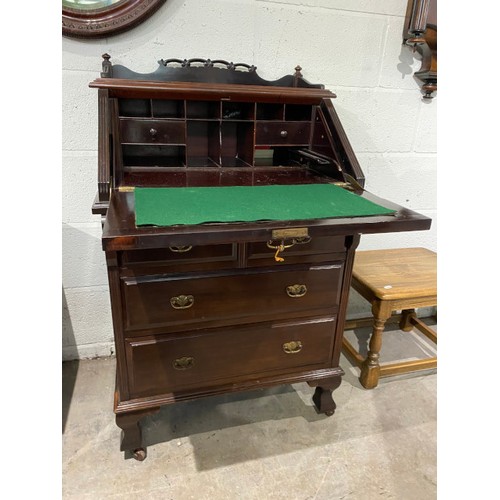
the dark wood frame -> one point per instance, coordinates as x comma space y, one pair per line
107, 21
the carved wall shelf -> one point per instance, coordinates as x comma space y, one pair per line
421, 33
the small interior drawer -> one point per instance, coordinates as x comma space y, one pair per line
282, 133
138, 131
297, 250
168, 363
182, 258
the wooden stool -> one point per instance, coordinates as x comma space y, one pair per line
392, 280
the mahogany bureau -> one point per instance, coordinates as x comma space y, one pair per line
205, 309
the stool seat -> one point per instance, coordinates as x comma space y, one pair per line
398, 273
391, 280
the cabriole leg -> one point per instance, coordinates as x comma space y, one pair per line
322, 397
131, 439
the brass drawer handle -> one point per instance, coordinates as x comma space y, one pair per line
183, 363
296, 291
283, 133
153, 132
295, 241
180, 249
182, 301
302, 241
292, 347
270, 244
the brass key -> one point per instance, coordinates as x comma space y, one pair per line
280, 248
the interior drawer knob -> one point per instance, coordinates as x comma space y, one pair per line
182, 301
283, 133
296, 291
153, 132
183, 363
292, 347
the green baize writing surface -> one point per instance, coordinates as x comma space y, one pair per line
165, 206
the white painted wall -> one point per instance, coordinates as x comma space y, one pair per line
351, 46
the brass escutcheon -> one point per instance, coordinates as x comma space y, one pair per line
183, 363
182, 301
296, 291
292, 347
290, 232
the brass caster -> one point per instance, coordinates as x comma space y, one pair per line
329, 413
140, 454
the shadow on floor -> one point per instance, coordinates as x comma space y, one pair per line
237, 427
69, 369
69, 374
396, 344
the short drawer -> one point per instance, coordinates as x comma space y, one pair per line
282, 133
182, 258
168, 363
134, 131
177, 303
296, 251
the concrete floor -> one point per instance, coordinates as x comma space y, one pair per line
265, 444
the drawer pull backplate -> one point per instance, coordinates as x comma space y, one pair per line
296, 291
183, 363
292, 347
182, 301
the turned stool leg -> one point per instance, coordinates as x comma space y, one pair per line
131, 432
405, 323
322, 396
370, 369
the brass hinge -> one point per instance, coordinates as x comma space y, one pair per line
126, 189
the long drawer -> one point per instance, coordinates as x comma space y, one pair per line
179, 302
168, 363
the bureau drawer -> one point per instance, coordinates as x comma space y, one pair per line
281, 133
182, 258
301, 250
164, 364
135, 131
177, 303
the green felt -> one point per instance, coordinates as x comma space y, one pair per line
196, 205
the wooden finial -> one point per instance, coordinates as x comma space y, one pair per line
106, 66
428, 89
297, 75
